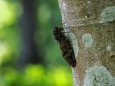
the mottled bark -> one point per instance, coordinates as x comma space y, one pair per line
92, 25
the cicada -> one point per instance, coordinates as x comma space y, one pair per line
65, 45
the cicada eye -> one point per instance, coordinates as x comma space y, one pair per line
54, 30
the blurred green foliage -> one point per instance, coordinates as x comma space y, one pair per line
33, 75
36, 75
9, 35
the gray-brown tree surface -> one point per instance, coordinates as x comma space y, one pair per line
92, 31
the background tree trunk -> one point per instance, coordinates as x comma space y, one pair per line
29, 52
91, 24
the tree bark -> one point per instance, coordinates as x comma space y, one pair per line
91, 25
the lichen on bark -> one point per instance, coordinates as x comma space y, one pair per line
91, 21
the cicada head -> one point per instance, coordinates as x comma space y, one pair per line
57, 31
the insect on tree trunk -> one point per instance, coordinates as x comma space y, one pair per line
92, 32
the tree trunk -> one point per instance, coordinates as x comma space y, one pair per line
92, 32
29, 52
